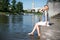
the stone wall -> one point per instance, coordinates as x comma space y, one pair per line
54, 8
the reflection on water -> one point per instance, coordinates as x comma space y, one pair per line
3, 23
16, 26
15, 23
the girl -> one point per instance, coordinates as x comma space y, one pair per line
44, 22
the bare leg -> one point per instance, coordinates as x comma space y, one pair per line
38, 30
31, 33
36, 27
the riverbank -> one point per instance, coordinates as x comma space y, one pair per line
9, 13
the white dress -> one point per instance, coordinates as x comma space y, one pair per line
43, 22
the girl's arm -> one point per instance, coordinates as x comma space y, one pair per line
41, 10
46, 17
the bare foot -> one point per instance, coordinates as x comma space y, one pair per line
39, 35
30, 34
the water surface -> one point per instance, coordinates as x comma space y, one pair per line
16, 27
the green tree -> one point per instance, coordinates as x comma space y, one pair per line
4, 6
0, 5
19, 7
13, 6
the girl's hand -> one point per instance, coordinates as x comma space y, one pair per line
40, 10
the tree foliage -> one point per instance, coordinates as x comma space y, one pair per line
19, 7
4, 6
13, 7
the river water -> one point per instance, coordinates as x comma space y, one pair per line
17, 27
